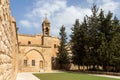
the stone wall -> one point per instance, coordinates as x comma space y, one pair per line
37, 51
8, 43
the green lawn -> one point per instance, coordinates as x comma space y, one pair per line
70, 76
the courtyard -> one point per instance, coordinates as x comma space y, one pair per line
73, 76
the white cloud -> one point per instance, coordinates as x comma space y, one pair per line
106, 1
90, 1
110, 5
59, 13
50, 7
25, 23
106, 5
68, 17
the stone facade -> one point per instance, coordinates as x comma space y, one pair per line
30, 52
37, 52
8, 43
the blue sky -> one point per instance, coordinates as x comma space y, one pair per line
29, 14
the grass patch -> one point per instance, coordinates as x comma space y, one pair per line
70, 76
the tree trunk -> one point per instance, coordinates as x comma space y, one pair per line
78, 68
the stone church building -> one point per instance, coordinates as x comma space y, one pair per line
37, 52
22, 52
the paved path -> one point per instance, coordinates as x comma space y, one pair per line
117, 77
26, 76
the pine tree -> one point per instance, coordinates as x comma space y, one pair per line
115, 45
63, 58
96, 41
76, 57
109, 37
85, 43
93, 25
79, 39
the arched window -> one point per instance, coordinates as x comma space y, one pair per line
47, 31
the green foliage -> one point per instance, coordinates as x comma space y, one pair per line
75, 41
96, 41
79, 38
63, 58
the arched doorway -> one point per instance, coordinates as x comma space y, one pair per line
41, 64
33, 61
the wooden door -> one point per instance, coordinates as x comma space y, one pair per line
41, 64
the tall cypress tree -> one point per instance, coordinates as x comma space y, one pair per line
63, 58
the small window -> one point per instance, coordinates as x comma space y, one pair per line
25, 62
19, 43
57, 54
29, 42
55, 46
33, 62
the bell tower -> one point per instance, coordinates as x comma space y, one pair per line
46, 27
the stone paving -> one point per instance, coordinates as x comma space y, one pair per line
26, 76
